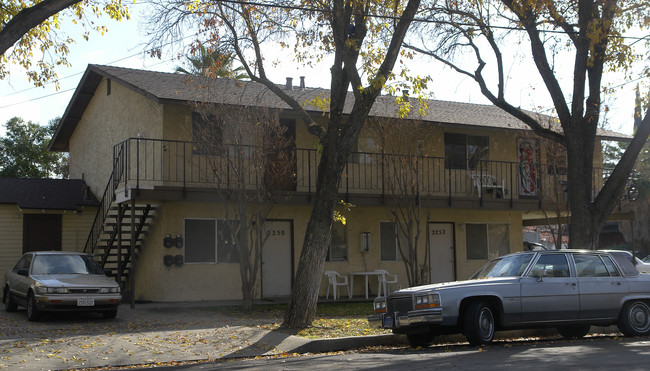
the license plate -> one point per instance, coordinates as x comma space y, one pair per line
388, 321
85, 302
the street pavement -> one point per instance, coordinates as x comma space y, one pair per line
157, 333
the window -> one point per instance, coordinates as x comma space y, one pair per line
556, 159
227, 242
210, 241
389, 247
464, 152
338, 249
23, 263
207, 135
487, 241
592, 266
611, 268
366, 149
551, 265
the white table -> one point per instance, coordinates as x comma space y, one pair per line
365, 274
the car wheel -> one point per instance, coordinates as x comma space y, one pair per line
478, 323
421, 340
33, 314
10, 304
109, 314
635, 319
573, 332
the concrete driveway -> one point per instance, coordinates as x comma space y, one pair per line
149, 333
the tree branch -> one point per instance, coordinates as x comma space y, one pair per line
29, 18
527, 18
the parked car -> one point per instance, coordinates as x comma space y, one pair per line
567, 289
534, 246
60, 281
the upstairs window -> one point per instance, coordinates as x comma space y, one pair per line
207, 135
464, 152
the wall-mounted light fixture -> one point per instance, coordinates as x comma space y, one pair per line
365, 241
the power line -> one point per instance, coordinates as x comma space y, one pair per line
42, 97
288, 7
395, 17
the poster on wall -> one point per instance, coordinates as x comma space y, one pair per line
527, 152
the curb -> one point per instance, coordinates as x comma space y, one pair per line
352, 342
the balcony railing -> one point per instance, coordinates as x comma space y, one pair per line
147, 163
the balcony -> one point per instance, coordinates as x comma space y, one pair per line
368, 178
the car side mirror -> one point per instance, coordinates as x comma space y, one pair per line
22, 272
108, 272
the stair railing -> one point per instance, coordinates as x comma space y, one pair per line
106, 201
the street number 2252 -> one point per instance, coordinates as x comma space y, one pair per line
438, 232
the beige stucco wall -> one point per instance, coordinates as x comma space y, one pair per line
107, 120
75, 227
221, 281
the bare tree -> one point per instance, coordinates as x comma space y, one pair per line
363, 46
402, 160
474, 38
249, 157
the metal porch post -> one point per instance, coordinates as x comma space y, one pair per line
119, 243
132, 251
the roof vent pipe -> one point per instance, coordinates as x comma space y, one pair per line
289, 85
302, 82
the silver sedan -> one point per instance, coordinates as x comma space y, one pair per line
52, 281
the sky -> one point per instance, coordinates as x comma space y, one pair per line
123, 46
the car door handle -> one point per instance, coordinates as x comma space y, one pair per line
571, 283
616, 283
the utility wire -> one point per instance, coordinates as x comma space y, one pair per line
395, 17
301, 8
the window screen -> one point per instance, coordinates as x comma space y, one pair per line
200, 241
338, 249
487, 241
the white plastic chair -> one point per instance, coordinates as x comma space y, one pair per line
384, 281
334, 282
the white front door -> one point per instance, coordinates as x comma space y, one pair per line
442, 252
276, 260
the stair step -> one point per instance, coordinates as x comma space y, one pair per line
114, 224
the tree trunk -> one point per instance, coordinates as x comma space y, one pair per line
580, 182
304, 296
590, 212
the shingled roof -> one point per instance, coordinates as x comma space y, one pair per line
173, 88
49, 194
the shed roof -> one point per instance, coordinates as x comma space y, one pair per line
50, 194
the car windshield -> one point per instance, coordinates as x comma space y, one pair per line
65, 264
507, 266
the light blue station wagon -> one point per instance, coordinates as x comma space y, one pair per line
567, 289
